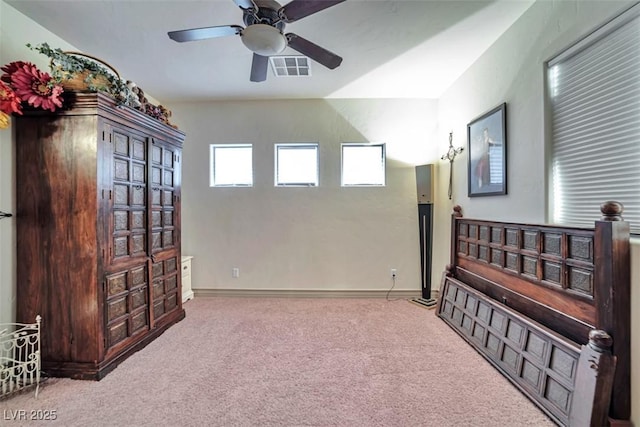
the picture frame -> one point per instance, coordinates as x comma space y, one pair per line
487, 158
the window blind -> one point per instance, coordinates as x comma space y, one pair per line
594, 94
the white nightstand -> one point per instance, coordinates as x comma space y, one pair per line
187, 293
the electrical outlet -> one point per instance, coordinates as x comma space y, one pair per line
394, 273
235, 272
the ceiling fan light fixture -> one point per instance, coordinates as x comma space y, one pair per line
264, 39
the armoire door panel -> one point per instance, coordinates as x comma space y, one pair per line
166, 286
158, 308
129, 173
156, 155
138, 220
116, 284
167, 218
156, 219
117, 332
155, 196
171, 301
139, 276
139, 322
138, 244
124, 309
120, 246
158, 269
139, 173
139, 149
116, 308
138, 198
156, 175
121, 195
171, 265
158, 289
167, 200
121, 143
168, 158
171, 283
156, 241
121, 170
167, 238
168, 178
120, 220
164, 196
138, 298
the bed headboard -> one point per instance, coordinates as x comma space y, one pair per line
539, 291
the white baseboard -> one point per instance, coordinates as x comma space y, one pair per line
306, 293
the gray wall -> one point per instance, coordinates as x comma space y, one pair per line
320, 239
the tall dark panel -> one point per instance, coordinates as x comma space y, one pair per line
425, 218
424, 191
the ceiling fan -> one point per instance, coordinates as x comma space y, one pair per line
263, 32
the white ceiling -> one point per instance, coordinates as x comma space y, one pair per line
391, 48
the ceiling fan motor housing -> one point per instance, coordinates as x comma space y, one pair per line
267, 13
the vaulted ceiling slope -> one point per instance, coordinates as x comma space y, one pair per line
390, 48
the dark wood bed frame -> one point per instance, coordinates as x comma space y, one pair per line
549, 307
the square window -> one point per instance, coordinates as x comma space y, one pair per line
363, 165
231, 165
296, 165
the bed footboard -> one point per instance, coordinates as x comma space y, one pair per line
556, 373
548, 306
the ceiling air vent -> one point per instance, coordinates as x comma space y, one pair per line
286, 66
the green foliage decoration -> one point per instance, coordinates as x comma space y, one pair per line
98, 78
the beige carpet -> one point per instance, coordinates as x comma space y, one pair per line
293, 362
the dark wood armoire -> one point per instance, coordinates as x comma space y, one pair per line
98, 231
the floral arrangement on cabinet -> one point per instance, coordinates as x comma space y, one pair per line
23, 82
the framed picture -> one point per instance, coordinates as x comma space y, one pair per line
487, 159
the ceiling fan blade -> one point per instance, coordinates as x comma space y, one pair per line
245, 4
259, 67
298, 9
313, 51
204, 33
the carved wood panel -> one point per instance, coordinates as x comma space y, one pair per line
163, 196
127, 307
541, 363
165, 286
562, 259
129, 205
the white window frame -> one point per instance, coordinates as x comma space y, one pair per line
280, 182
593, 99
212, 162
349, 182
